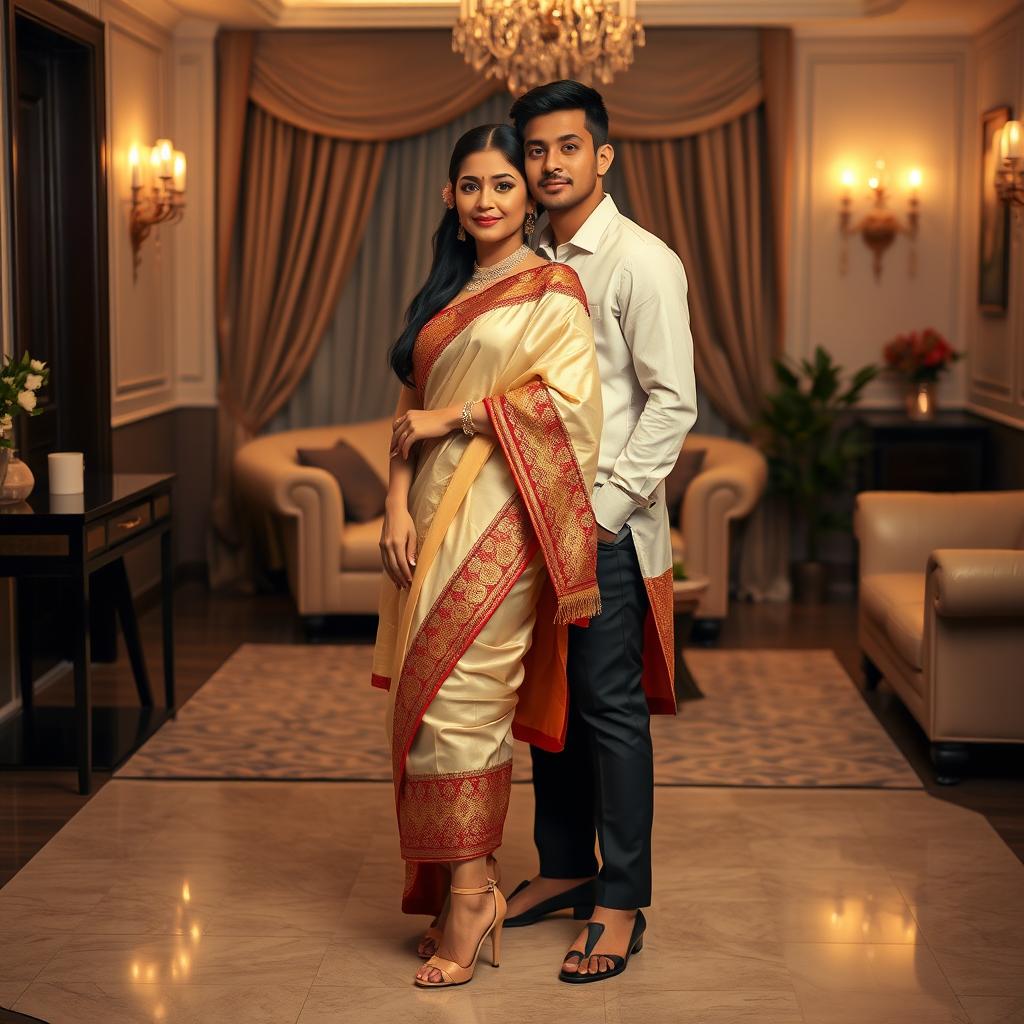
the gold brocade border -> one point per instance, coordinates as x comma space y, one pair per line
526, 286
453, 817
468, 600
660, 596
544, 465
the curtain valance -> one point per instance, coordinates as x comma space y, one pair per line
379, 85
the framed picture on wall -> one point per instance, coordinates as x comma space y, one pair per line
993, 247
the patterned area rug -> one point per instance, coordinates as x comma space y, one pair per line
284, 711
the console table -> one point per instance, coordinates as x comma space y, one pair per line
71, 538
948, 453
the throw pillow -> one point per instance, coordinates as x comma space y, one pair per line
362, 490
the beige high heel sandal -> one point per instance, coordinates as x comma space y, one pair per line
455, 974
434, 932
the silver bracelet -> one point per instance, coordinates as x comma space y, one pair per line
468, 428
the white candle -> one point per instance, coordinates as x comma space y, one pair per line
1011, 143
179, 171
133, 162
67, 472
165, 151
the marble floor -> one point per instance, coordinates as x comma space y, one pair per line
277, 902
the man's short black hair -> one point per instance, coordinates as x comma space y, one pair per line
564, 95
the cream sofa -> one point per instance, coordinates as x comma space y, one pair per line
728, 487
941, 613
333, 565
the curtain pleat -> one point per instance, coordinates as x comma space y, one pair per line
304, 203
349, 378
708, 197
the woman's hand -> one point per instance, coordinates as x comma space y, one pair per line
419, 425
398, 545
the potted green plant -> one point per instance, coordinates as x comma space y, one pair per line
811, 444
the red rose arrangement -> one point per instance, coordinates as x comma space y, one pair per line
920, 355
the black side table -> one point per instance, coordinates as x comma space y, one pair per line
951, 452
71, 537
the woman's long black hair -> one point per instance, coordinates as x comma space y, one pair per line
453, 260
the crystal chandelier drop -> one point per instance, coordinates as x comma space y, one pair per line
529, 42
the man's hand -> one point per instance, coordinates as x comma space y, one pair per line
605, 535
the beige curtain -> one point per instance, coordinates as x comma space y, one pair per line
388, 84
373, 85
303, 209
718, 197
684, 81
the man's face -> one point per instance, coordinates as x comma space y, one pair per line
562, 168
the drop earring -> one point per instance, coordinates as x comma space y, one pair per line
461, 236
529, 224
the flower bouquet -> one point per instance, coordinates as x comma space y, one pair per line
20, 379
920, 356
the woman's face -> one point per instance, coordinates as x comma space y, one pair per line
491, 197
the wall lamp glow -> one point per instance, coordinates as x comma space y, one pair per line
161, 173
879, 227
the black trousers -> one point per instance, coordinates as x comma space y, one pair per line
603, 781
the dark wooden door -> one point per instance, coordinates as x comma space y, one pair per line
58, 161
58, 167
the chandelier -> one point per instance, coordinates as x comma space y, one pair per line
529, 42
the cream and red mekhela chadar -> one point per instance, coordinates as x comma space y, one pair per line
506, 559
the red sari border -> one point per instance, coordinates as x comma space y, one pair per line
453, 817
659, 645
526, 286
544, 466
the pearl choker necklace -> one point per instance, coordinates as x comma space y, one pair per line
483, 276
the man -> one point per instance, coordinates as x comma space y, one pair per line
620, 667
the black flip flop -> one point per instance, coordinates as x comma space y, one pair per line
594, 932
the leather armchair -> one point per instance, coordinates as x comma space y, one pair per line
333, 564
941, 613
729, 486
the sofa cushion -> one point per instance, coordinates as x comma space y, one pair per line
687, 466
894, 601
360, 546
362, 491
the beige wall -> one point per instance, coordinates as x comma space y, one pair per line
996, 372
858, 100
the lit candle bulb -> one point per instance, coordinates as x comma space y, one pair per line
1011, 141
165, 152
914, 180
133, 163
848, 179
179, 171
154, 167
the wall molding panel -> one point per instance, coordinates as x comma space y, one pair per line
996, 344
858, 100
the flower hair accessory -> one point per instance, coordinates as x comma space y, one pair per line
448, 196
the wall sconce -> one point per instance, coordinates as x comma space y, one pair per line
166, 202
880, 226
1010, 166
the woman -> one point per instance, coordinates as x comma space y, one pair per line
489, 541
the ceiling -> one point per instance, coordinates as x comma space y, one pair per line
812, 17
